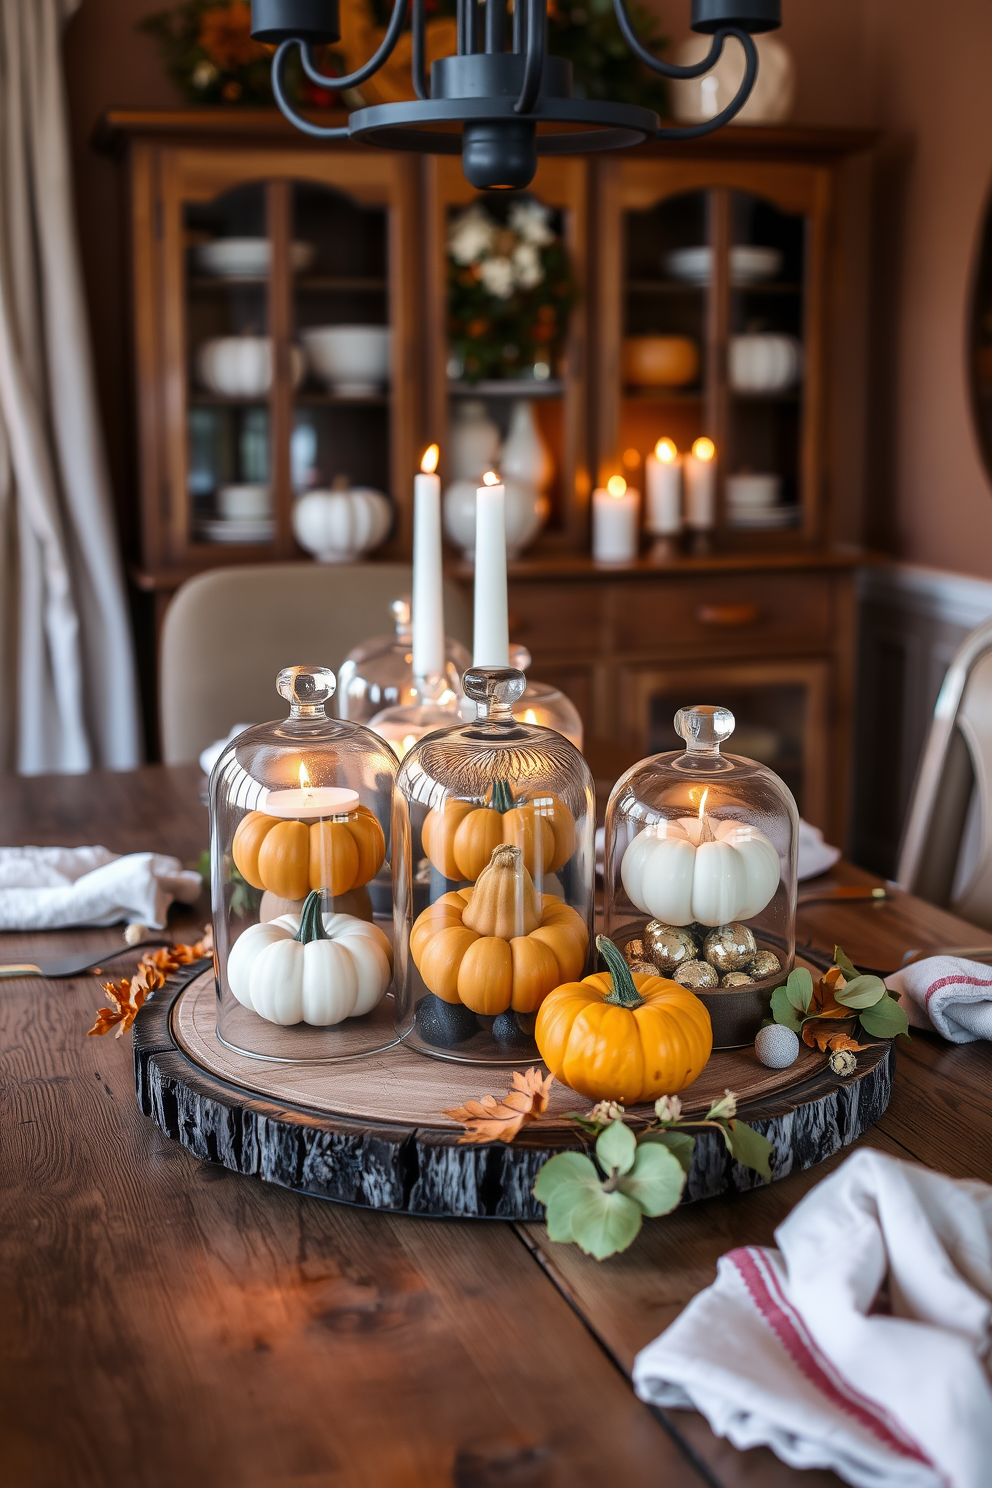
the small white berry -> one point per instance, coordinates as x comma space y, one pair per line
777, 1046
135, 934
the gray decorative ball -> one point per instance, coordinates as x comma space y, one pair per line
730, 947
696, 975
668, 946
765, 964
736, 979
777, 1046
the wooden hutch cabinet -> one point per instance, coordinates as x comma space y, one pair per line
660, 238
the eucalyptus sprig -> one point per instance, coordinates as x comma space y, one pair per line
814, 1010
600, 1202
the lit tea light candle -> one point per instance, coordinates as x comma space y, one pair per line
700, 486
309, 802
401, 737
663, 489
615, 511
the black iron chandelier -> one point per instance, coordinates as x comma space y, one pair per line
499, 108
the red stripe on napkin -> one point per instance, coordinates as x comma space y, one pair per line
954, 981
767, 1295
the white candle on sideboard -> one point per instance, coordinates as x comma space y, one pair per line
428, 603
700, 486
491, 627
615, 512
663, 490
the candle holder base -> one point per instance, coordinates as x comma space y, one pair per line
665, 548
701, 542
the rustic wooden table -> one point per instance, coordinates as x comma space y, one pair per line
166, 1321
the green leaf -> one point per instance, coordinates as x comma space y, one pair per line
678, 1142
861, 992
783, 1011
847, 969
203, 865
885, 1019
616, 1147
602, 1223
799, 989
656, 1180
561, 1185
750, 1148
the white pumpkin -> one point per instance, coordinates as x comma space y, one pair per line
761, 362
337, 526
241, 366
703, 870
335, 967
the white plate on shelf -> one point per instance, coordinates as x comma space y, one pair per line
749, 264
246, 258
225, 530
763, 517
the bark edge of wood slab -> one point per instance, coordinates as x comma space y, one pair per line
404, 1168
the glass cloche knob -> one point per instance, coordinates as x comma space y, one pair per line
400, 611
494, 689
306, 689
704, 728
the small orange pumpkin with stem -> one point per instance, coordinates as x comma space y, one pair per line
500, 944
459, 836
623, 1037
291, 858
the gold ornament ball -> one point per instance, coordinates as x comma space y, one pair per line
736, 979
634, 950
668, 946
696, 975
730, 947
642, 968
765, 964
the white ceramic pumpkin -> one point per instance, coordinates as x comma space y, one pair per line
241, 366
310, 968
704, 870
761, 362
337, 526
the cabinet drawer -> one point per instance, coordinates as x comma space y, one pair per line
559, 617
739, 612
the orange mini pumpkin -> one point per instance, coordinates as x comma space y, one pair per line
617, 1036
500, 944
459, 836
291, 858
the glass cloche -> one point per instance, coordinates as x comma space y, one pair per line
700, 873
379, 673
299, 828
493, 878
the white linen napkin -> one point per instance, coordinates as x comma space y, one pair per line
947, 994
807, 1350
46, 888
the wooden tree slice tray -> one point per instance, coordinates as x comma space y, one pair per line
372, 1131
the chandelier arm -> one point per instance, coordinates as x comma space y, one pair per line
537, 17
353, 79
317, 131
670, 69
740, 98
419, 69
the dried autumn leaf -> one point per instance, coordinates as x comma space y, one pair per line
153, 969
844, 1041
819, 1032
494, 1120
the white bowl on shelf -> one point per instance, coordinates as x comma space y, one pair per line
753, 492
247, 258
749, 264
352, 359
245, 503
224, 530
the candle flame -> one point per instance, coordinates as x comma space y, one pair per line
531, 717
431, 456
702, 803
616, 485
666, 451
305, 783
704, 449
490, 478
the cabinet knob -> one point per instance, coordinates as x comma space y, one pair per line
728, 615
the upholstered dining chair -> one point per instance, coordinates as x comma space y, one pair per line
227, 633
946, 854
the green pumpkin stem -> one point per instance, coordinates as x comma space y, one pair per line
624, 993
311, 919
501, 799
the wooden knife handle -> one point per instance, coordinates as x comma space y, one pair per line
729, 615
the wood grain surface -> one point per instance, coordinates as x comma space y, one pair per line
165, 1320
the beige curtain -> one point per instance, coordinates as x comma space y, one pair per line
67, 685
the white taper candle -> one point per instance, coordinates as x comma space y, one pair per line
492, 631
428, 601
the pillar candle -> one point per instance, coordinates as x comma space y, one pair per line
492, 632
615, 512
663, 490
428, 603
700, 486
